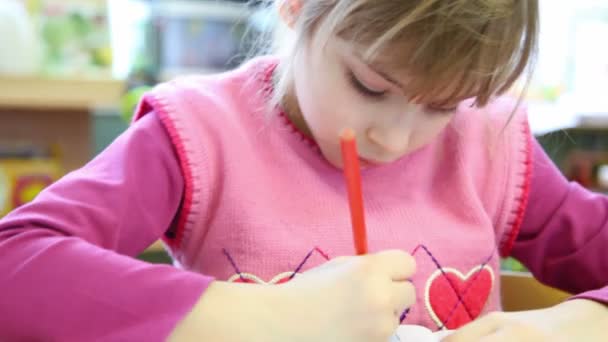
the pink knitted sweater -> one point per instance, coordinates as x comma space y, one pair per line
261, 203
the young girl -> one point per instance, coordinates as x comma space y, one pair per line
239, 173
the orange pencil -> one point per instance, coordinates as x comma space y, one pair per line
352, 174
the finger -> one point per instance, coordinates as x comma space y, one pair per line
520, 332
501, 335
330, 265
339, 260
398, 264
404, 296
476, 330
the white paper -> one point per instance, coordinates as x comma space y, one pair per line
418, 333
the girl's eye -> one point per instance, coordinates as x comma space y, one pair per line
361, 88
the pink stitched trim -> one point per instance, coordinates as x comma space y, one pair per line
309, 141
163, 113
520, 210
268, 91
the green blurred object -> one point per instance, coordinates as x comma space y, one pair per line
76, 38
156, 257
33, 6
511, 264
129, 102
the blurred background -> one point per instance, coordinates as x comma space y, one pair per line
71, 72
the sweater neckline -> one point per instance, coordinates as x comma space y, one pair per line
286, 124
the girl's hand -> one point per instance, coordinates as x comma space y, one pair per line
574, 320
351, 298
354, 299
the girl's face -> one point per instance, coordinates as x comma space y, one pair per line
335, 89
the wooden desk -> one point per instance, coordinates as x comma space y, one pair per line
520, 291
54, 112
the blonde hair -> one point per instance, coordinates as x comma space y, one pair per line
450, 49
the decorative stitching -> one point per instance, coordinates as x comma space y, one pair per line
441, 271
162, 109
252, 277
233, 263
404, 315
519, 211
292, 274
299, 268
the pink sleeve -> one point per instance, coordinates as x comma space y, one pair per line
66, 266
564, 234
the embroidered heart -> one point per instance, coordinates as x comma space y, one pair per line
443, 290
249, 278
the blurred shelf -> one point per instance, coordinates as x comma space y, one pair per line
47, 93
55, 112
598, 191
168, 74
571, 111
209, 8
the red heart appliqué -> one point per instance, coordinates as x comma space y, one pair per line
444, 288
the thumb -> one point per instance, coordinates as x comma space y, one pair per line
399, 265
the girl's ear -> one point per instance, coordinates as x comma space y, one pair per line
289, 10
